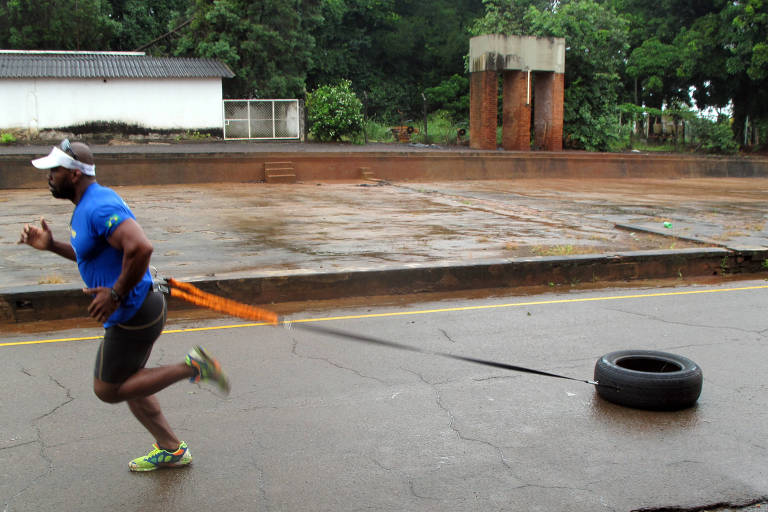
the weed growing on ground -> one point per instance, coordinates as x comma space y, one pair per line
441, 130
193, 135
560, 250
724, 266
52, 279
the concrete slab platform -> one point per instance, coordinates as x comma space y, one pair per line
322, 233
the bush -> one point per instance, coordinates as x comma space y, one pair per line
714, 137
334, 111
590, 119
7, 138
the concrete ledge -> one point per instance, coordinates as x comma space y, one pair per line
53, 302
116, 169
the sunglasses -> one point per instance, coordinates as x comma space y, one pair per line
66, 147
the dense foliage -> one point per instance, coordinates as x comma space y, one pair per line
49, 25
268, 44
666, 55
596, 48
392, 50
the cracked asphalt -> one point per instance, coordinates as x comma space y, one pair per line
317, 423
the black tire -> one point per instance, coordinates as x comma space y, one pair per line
648, 379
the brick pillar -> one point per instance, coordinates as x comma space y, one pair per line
483, 109
558, 98
548, 111
516, 113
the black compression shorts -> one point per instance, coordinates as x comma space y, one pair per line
125, 348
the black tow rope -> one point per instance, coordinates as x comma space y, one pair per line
377, 341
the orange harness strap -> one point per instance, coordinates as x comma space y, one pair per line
190, 293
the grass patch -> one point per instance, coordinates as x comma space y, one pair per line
441, 130
52, 279
727, 235
375, 131
193, 135
651, 147
560, 250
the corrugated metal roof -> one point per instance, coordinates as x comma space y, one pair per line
105, 65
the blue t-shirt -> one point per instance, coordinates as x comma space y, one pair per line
95, 218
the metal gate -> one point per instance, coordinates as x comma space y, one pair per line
261, 119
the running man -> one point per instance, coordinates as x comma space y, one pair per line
112, 253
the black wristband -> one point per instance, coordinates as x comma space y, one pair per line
115, 297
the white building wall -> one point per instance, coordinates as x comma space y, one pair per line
159, 103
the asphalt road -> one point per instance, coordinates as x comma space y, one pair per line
320, 423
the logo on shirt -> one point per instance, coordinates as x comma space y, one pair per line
113, 220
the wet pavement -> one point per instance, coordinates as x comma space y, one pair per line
321, 423
246, 229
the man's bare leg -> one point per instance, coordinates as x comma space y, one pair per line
147, 411
139, 392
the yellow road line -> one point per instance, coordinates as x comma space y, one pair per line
418, 312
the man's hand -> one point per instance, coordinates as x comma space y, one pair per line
103, 305
38, 237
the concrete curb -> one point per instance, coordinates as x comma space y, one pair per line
52, 302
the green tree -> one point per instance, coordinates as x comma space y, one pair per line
653, 65
751, 20
141, 22
661, 19
452, 96
267, 44
724, 55
596, 40
56, 24
347, 42
651, 77
392, 50
717, 48
507, 17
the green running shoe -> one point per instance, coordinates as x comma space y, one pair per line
158, 458
206, 368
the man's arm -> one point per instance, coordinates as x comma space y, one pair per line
137, 251
41, 238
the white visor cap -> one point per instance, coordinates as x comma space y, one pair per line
58, 158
